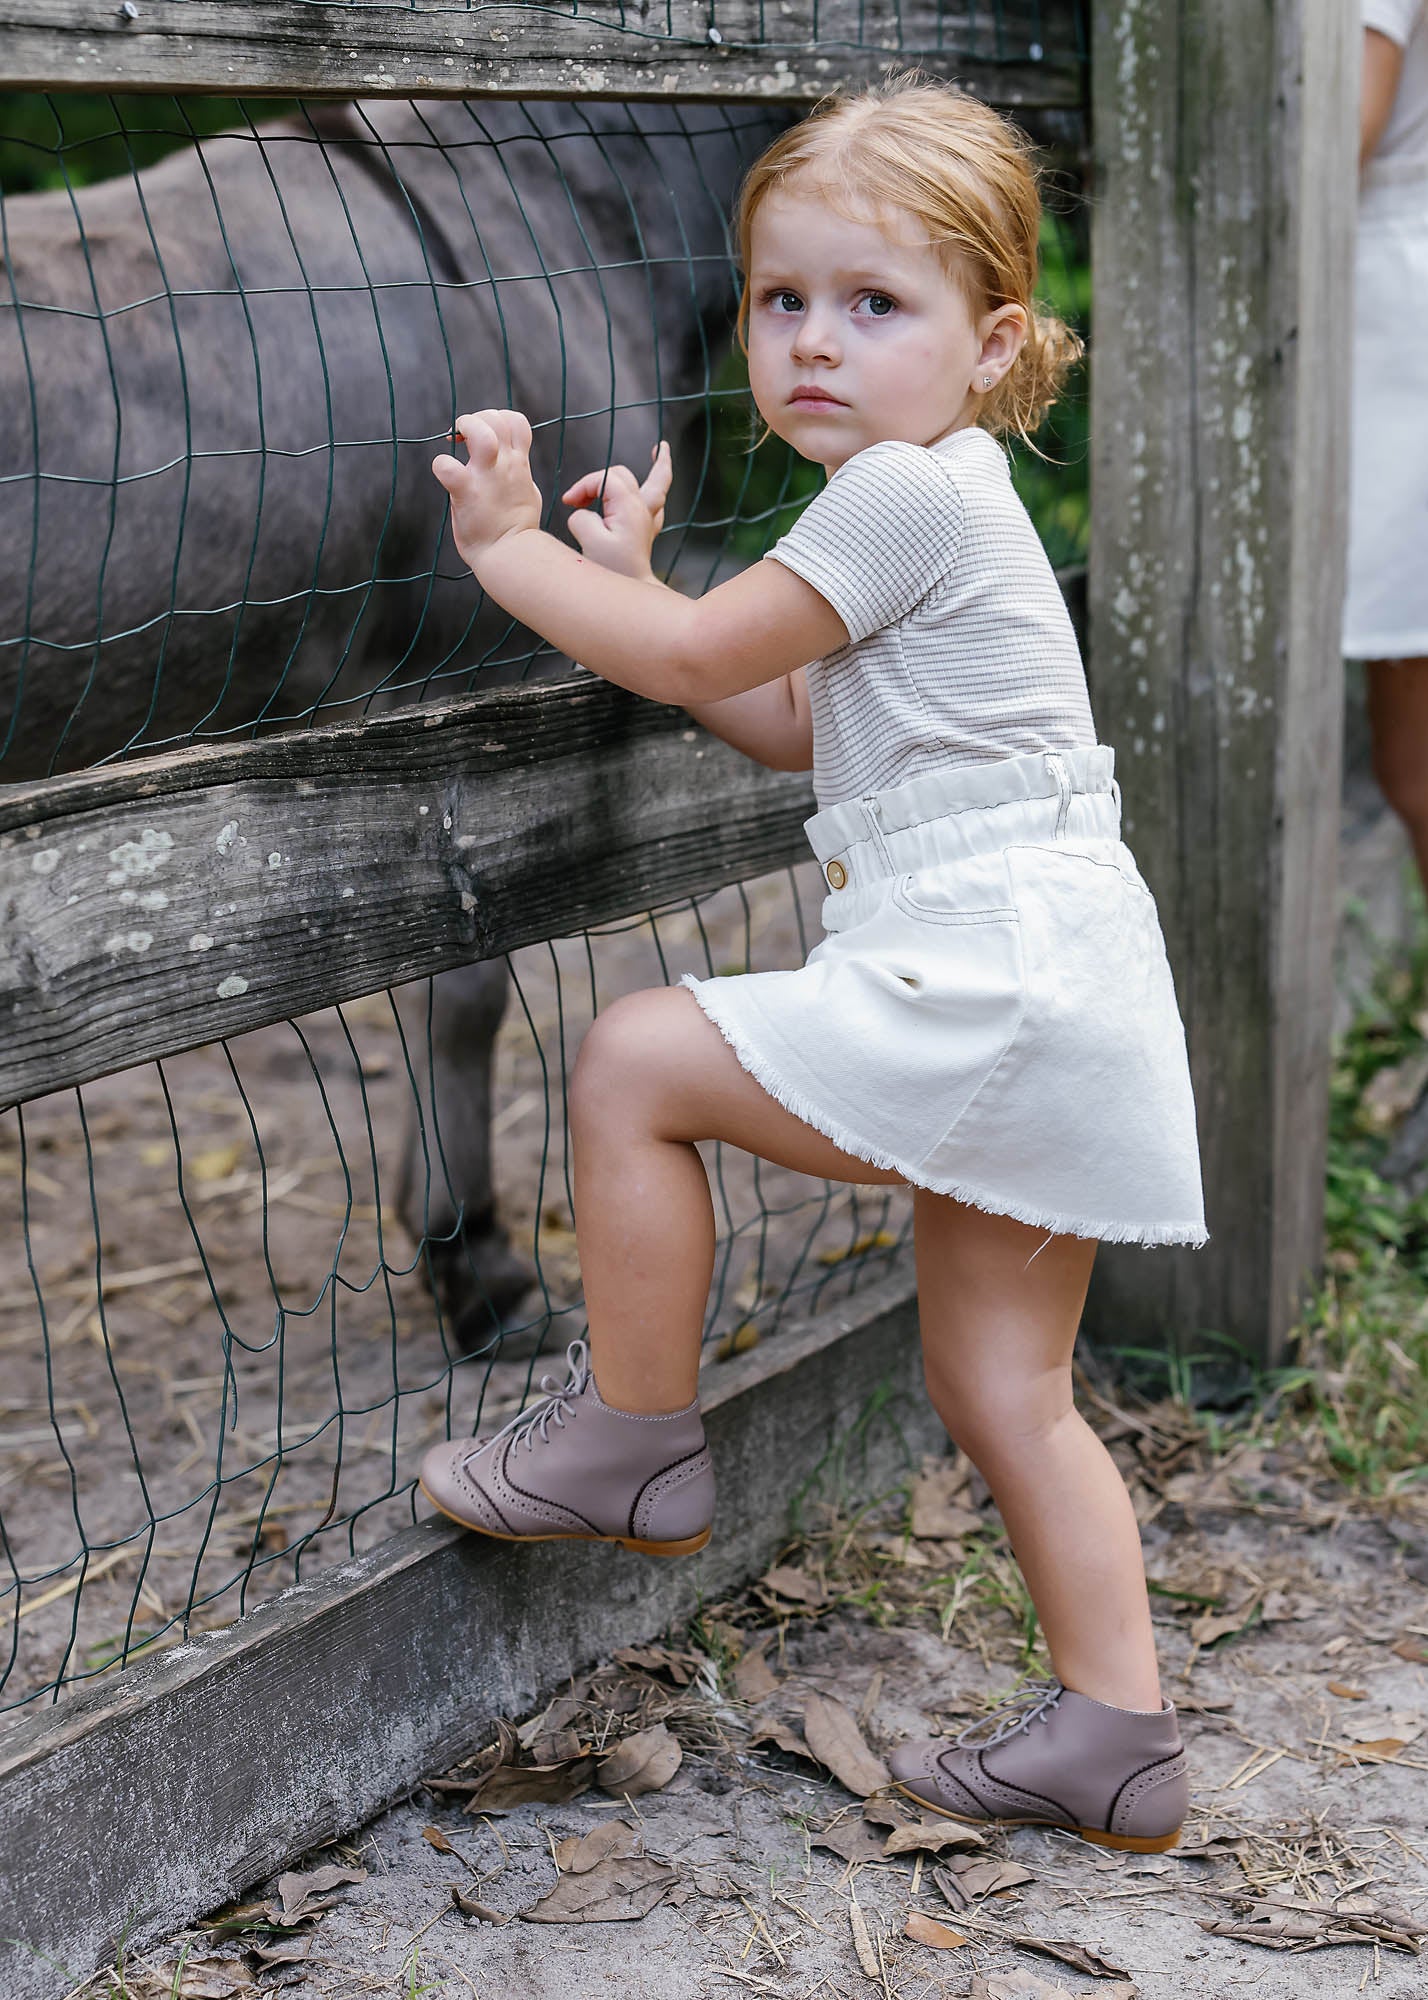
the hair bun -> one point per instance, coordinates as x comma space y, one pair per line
1022, 398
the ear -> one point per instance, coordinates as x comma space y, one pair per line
1003, 333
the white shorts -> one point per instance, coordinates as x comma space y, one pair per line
991, 1013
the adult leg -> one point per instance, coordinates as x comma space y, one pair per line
1398, 722
1000, 1307
653, 1077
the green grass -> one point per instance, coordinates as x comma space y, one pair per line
1360, 1378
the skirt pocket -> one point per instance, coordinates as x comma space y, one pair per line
927, 996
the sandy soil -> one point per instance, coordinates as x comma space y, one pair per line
219, 1358
1304, 1711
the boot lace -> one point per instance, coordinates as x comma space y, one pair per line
1035, 1703
559, 1401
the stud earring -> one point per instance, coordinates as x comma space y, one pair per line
986, 381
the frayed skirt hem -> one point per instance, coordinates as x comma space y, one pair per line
1149, 1236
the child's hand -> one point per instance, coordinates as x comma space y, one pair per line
493, 494
621, 536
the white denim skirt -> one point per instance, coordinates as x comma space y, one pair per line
990, 1014
1386, 604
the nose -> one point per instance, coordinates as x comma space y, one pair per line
816, 336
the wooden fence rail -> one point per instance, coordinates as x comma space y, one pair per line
1023, 53
154, 906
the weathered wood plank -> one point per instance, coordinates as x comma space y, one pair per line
1021, 52
1221, 243
227, 1757
154, 906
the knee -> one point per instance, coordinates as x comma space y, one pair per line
995, 1416
612, 1070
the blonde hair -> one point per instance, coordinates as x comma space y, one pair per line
967, 176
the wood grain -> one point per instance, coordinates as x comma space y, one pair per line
1022, 52
154, 906
1221, 244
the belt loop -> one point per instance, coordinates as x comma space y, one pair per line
1056, 769
873, 817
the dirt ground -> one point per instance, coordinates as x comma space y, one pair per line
1293, 1628
217, 1355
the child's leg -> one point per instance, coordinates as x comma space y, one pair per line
622, 1457
654, 1076
999, 1318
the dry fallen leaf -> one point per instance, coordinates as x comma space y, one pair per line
930, 1836
618, 1890
581, 1852
1213, 1626
784, 1737
1347, 1693
754, 1678
510, 1785
966, 1878
1411, 1648
1400, 1723
1382, 1750
217, 1164
795, 1585
212, 1979
644, 1762
832, 1734
850, 1840
1015, 1986
681, 1667
434, 1837
876, 1239
301, 1896
926, 1930
741, 1340
938, 1512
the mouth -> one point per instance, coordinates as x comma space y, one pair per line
814, 399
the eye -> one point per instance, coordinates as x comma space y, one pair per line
783, 301
879, 305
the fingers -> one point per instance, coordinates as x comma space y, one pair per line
615, 480
586, 530
654, 490
487, 432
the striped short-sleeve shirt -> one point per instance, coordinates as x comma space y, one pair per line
960, 649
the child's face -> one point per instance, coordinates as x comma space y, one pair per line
858, 334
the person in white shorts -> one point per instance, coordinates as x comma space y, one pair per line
1386, 609
990, 1015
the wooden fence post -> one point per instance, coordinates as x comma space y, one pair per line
1225, 141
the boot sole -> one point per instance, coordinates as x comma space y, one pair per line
690, 1546
1134, 1843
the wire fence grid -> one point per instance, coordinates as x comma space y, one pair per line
243, 1287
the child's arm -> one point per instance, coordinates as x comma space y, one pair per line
758, 627
772, 724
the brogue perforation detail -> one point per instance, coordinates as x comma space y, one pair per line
1020, 1797
668, 1480
1140, 1784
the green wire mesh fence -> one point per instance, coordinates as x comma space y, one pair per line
241, 1288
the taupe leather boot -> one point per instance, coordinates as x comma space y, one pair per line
1049, 1757
570, 1467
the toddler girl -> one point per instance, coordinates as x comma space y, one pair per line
990, 1015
